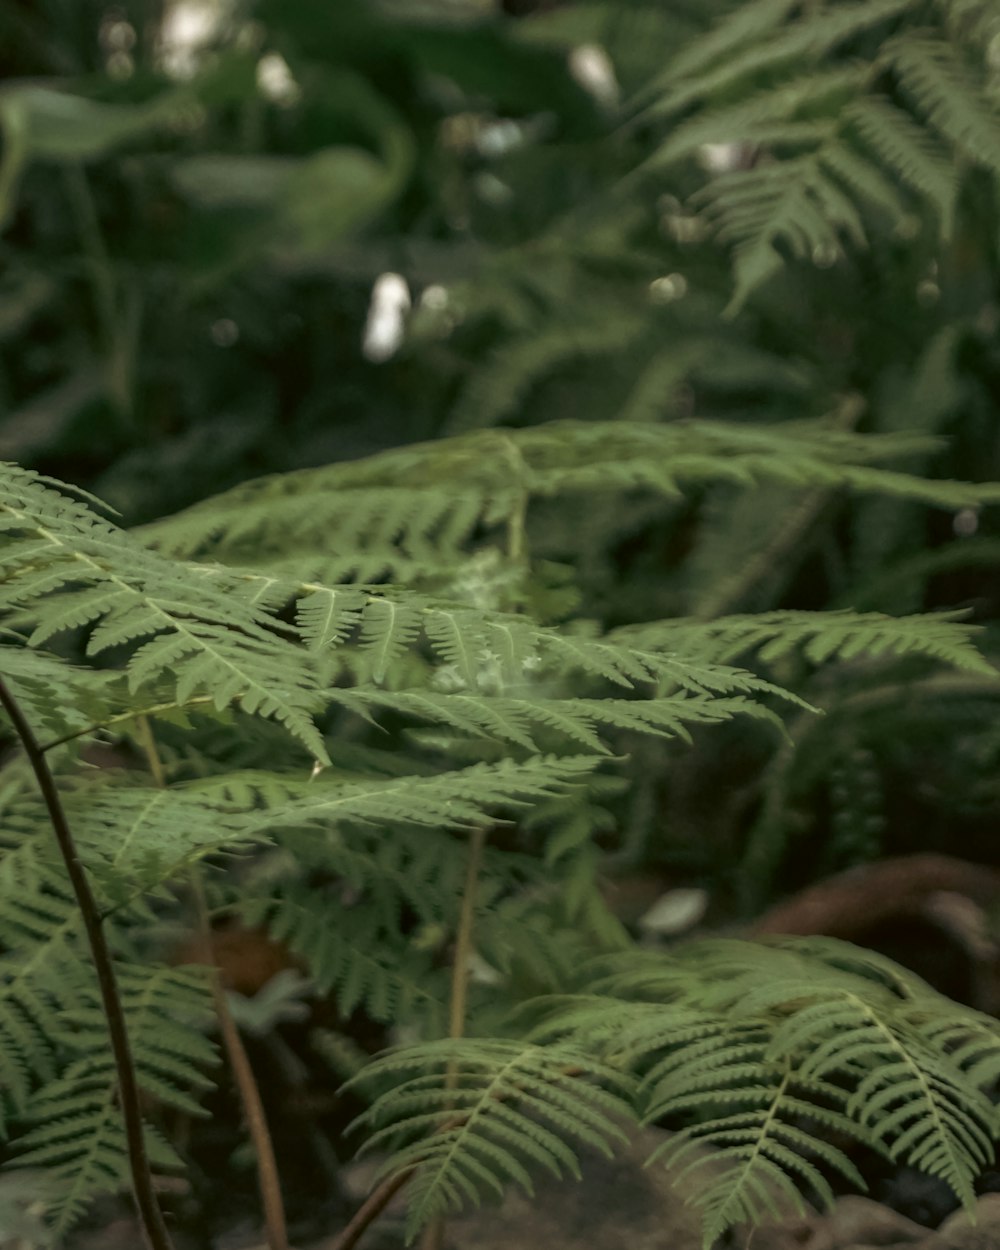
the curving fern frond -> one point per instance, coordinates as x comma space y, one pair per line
66, 568
472, 1114
522, 722
75, 1131
383, 516
749, 1050
351, 953
837, 155
821, 636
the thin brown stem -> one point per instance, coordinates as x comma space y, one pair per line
123, 718
268, 1181
379, 1199
463, 937
150, 1215
370, 1210
433, 1238
239, 1062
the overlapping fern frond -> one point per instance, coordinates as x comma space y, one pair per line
352, 955
752, 1051
749, 1053
75, 1130
837, 154
473, 1114
281, 640
381, 517
66, 568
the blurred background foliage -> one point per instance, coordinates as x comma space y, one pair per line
241, 238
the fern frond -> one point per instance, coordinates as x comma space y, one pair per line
917, 157
914, 99
475, 1113
943, 86
461, 799
302, 512
724, 60
326, 615
71, 569
43, 972
75, 1130
575, 720
349, 951
57, 697
742, 1045
388, 630
822, 637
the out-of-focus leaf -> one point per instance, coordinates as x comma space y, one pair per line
39, 123
224, 180
311, 202
59, 126
44, 421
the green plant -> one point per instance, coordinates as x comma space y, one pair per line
257, 682
573, 644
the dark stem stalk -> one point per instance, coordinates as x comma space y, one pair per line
268, 1181
433, 1238
150, 1215
370, 1210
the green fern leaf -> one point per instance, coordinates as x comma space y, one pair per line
77, 1134
473, 1113
943, 86
189, 630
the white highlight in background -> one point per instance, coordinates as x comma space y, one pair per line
386, 324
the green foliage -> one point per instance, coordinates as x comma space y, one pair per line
574, 563
855, 148
755, 1050
509, 1105
73, 1123
370, 844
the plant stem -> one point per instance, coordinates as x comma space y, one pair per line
268, 1181
370, 1210
123, 718
433, 1238
150, 1216
463, 937
118, 348
148, 744
239, 1063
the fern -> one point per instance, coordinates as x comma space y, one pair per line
508, 1106
75, 1129
87, 573
351, 952
295, 515
822, 637
374, 835
330, 689
746, 1047
748, 1050
913, 102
